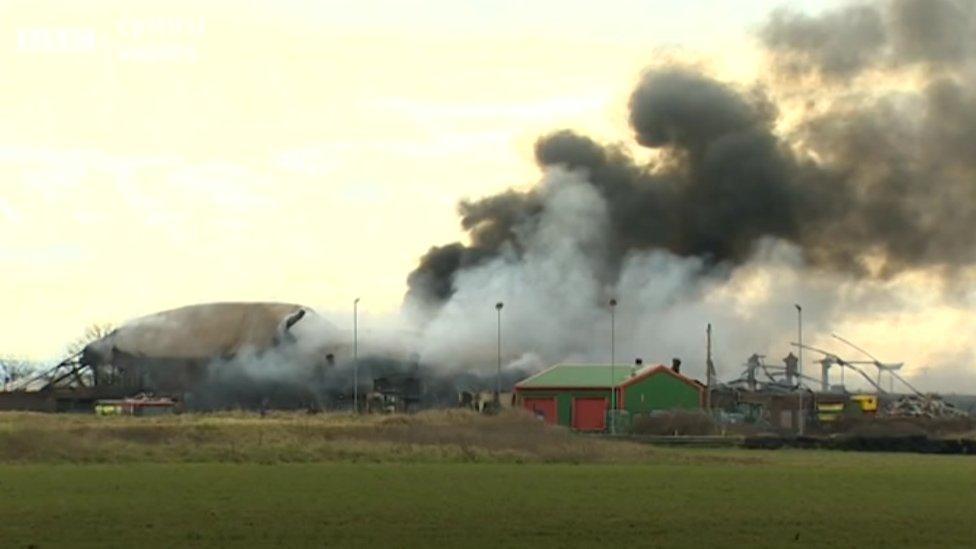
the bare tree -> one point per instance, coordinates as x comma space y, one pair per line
93, 332
14, 369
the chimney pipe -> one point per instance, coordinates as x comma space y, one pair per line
676, 365
791, 362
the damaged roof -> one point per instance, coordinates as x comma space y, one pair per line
201, 331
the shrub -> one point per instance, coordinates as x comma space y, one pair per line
674, 422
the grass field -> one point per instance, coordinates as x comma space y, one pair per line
435, 480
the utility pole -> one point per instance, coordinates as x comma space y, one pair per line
355, 355
709, 368
799, 335
498, 375
613, 358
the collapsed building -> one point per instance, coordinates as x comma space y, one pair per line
204, 356
241, 355
780, 398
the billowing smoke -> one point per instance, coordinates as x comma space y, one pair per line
840, 181
307, 366
933, 35
901, 153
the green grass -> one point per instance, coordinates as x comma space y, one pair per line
894, 500
450, 479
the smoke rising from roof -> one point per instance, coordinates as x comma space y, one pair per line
861, 185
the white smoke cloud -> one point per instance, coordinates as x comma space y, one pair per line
548, 293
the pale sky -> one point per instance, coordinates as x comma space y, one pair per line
156, 154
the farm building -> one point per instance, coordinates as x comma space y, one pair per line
578, 395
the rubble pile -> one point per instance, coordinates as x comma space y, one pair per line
924, 406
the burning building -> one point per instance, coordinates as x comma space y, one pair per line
206, 356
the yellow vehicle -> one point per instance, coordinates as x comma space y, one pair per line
867, 403
832, 408
829, 411
108, 409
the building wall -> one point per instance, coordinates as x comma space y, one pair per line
564, 399
661, 392
29, 401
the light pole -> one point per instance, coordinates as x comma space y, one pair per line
355, 355
613, 358
799, 336
498, 375
709, 368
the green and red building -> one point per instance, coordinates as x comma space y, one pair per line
578, 395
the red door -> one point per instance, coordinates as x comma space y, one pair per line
542, 407
589, 414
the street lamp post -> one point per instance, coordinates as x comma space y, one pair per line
799, 336
613, 359
355, 355
498, 374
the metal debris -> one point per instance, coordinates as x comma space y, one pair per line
930, 405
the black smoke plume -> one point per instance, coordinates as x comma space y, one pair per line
868, 178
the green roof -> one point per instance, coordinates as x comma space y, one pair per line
579, 375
